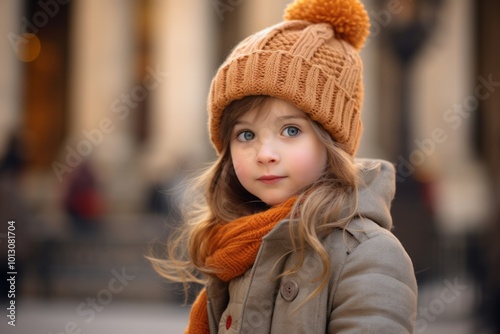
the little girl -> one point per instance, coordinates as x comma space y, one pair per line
292, 235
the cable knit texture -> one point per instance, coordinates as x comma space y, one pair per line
310, 60
233, 249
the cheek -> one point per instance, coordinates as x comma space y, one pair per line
310, 162
240, 167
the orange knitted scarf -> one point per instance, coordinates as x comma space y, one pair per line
233, 250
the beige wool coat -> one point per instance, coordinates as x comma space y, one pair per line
371, 288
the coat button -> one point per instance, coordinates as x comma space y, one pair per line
289, 290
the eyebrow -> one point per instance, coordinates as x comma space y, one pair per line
288, 117
278, 120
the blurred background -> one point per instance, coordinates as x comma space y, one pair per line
103, 114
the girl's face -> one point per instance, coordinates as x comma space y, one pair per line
276, 152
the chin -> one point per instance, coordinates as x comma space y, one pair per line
274, 201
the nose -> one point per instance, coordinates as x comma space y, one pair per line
267, 153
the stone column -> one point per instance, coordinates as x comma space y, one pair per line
183, 49
10, 80
260, 14
370, 113
104, 95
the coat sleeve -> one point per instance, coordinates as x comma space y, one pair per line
376, 291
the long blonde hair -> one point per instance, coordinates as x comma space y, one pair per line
329, 203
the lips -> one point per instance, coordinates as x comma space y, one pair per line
270, 179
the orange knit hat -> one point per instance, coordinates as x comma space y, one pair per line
310, 60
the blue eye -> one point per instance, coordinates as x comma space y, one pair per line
291, 131
246, 136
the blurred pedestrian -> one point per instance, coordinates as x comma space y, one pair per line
83, 201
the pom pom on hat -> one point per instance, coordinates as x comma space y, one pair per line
347, 17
